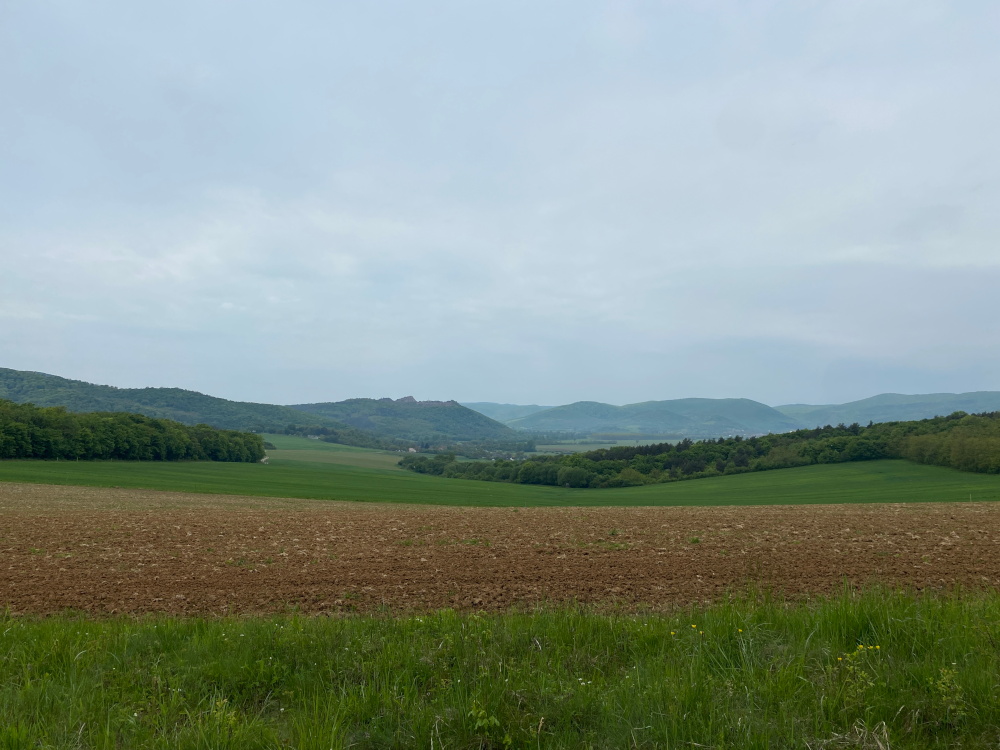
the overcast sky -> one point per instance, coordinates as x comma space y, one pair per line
528, 202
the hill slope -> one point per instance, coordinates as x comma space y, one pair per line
863, 482
410, 419
689, 417
364, 421
892, 407
504, 412
187, 407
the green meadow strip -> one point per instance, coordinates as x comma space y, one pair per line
879, 669
363, 481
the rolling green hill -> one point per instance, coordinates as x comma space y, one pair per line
968, 442
187, 407
364, 422
687, 417
409, 419
312, 477
892, 407
301, 468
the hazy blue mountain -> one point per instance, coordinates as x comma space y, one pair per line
692, 417
505, 412
582, 416
413, 420
892, 407
752, 416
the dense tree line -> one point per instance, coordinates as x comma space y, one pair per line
29, 431
367, 423
962, 441
971, 444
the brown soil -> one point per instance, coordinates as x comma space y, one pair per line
137, 551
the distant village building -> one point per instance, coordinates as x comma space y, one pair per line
412, 450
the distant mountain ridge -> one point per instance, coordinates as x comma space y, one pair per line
707, 417
892, 407
390, 423
687, 417
366, 422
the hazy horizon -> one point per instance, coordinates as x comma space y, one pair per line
608, 201
467, 402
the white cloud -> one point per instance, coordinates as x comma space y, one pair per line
609, 201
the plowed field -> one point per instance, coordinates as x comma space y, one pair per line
137, 551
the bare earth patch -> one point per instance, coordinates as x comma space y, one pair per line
137, 551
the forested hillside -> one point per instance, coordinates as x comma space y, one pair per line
28, 431
365, 422
962, 441
188, 407
407, 418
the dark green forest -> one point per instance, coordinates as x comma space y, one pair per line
29, 431
961, 441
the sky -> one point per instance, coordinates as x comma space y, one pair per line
522, 202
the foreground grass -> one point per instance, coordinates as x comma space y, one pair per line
851, 671
319, 478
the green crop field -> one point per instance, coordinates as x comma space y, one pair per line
303, 449
322, 471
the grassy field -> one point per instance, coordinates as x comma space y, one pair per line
878, 670
317, 471
303, 449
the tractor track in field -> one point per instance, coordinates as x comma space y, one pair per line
116, 551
